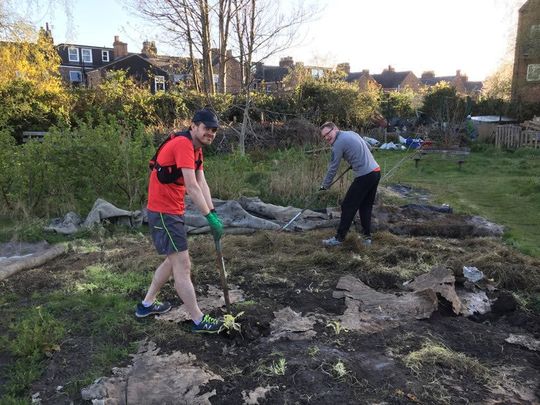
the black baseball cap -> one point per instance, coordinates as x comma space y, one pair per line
207, 117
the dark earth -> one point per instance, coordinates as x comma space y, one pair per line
276, 270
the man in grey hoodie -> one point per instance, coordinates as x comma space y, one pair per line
361, 194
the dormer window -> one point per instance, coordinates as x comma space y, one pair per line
73, 54
159, 83
86, 55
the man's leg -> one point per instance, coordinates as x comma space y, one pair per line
366, 206
161, 276
349, 206
181, 268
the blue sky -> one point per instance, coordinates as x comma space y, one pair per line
417, 35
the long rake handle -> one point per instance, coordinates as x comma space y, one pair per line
223, 275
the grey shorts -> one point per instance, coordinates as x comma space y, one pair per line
168, 232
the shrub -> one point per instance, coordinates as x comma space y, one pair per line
70, 169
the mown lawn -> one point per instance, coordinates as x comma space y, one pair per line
501, 186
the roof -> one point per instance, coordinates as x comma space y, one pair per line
133, 55
431, 81
351, 77
389, 79
107, 48
473, 86
271, 73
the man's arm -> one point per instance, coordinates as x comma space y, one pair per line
332, 168
195, 192
201, 180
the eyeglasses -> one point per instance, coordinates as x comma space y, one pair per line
213, 130
328, 133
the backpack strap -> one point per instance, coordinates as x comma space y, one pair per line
170, 174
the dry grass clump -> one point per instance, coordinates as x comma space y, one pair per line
435, 355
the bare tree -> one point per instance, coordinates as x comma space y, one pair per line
187, 24
225, 15
261, 32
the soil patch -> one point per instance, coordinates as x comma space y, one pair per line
291, 275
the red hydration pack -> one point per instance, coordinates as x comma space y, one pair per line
171, 174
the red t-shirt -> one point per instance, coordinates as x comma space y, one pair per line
169, 198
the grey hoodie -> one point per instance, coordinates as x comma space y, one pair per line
351, 147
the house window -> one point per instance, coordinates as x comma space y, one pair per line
159, 83
533, 73
75, 76
86, 55
73, 54
105, 56
317, 73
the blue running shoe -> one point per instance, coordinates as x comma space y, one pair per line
207, 325
156, 308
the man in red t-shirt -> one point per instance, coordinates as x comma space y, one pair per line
178, 168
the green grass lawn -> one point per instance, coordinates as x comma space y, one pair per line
499, 185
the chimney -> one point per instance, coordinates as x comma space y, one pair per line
429, 74
229, 54
365, 71
120, 48
390, 69
344, 67
48, 31
286, 62
149, 49
458, 73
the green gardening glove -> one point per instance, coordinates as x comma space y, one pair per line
216, 227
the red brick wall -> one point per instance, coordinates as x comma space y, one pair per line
527, 53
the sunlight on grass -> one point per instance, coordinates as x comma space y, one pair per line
435, 354
102, 278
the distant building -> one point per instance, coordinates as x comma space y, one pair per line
390, 80
286, 76
460, 82
88, 66
362, 79
78, 60
526, 75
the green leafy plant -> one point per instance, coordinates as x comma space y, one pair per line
279, 367
230, 324
339, 370
336, 327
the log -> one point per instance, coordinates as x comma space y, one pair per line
32, 261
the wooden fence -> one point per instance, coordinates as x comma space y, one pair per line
513, 137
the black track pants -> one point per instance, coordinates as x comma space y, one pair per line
360, 197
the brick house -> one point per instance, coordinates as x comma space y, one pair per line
87, 65
362, 79
233, 72
526, 74
286, 76
458, 81
78, 60
390, 80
